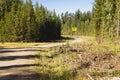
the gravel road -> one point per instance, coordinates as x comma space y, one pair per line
18, 63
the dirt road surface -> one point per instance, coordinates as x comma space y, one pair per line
18, 64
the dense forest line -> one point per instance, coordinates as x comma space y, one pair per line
21, 21
107, 19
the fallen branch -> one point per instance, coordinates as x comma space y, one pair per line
90, 77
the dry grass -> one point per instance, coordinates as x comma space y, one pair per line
89, 61
20, 44
31, 44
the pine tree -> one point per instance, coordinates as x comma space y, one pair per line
20, 21
10, 25
30, 21
117, 18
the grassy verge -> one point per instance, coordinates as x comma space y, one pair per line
19, 44
23, 44
88, 60
56, 64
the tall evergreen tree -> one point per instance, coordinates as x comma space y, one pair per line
106, 18
117, 18
30, 21
97, 17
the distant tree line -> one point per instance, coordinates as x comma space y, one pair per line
103, 21
81, 20
21, 21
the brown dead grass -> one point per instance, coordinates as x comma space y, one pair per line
19, 44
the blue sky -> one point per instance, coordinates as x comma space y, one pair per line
66, 5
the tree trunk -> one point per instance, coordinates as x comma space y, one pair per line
118, 24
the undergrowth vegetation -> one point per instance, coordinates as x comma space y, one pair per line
84, 61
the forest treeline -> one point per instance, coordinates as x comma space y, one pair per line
81, 20
103, 21
21, 21
107, 19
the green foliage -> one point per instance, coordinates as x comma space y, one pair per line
115, 73
20, 21
54, 64
106, 19
80, 20
96, 60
